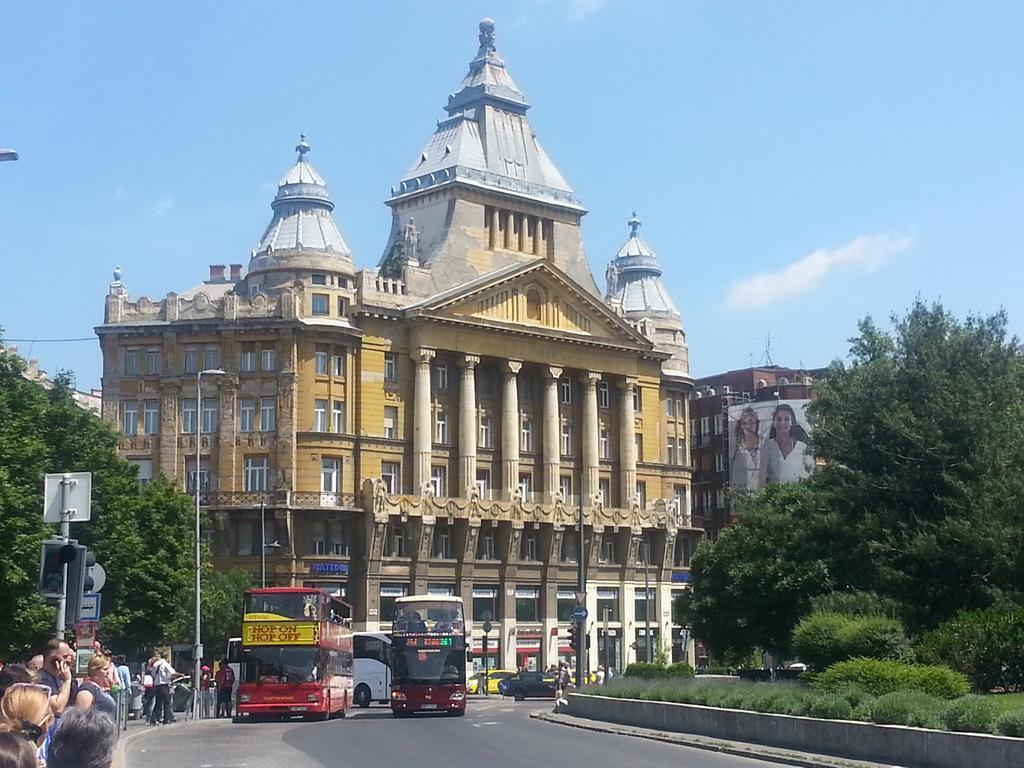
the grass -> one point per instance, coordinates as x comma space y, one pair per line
1007, 701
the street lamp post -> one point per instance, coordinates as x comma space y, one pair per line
644, 546
197, 651
264, 546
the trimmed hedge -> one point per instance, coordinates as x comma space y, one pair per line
986, 645
1011, 723
974, 714
879, 677
822, 639
658, 671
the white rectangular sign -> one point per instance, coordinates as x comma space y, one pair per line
90, 608
77, 497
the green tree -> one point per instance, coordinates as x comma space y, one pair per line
143, 538
222, 608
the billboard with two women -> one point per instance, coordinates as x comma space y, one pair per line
768, 443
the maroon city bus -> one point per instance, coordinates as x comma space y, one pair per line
428, 656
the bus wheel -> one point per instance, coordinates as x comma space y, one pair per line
361, 697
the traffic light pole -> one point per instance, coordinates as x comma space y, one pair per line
65, 535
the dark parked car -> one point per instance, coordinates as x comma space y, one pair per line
528, 685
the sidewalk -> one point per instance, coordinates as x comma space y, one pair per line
736, 748
137, 728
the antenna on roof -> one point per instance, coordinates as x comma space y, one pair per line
768, 349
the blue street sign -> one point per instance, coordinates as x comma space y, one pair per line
90, 607
579, 614
328, 567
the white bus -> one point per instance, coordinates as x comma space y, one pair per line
372, 651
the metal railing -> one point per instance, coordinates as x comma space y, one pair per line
278, 498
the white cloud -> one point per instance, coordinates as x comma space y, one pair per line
578, 10
163, 206
866, 253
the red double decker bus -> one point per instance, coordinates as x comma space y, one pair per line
428, 656
296, 655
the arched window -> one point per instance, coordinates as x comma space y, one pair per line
534, 305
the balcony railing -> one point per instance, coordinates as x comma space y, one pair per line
279, 498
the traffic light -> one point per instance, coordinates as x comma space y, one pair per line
79, 581
54, 555
574, 636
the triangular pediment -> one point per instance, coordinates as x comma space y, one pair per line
535, 297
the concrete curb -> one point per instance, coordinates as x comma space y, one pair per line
120, 753
734, 749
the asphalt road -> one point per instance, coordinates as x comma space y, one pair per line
497, 733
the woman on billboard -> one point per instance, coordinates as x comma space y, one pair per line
745, 466
786, 455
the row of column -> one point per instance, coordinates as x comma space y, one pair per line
511, 427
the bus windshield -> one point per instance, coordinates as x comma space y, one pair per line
282, 606
275, 664
430, 666
428, 616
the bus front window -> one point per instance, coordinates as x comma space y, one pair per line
271, 664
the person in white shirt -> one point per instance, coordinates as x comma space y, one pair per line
162, 674
786, 451
746, 470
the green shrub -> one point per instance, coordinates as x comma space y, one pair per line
855, 694
986, 645
679, 670
822, 639
830, 706
658, 671
974, 714
856, 604
912, 708
878, 677
1011, 723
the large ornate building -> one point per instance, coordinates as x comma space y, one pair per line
434, 424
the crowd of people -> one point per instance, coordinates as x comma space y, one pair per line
47, 718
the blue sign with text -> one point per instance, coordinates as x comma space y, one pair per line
332, 568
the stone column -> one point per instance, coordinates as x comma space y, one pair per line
422, 436
510, 427
467, 424
551, 443
627, 444
590, 437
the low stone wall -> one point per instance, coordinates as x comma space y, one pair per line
891, 744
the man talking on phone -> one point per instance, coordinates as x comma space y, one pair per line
56, 674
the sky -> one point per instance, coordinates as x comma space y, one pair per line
796, 165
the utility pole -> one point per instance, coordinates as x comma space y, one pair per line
647, 596
65, 537
581, 599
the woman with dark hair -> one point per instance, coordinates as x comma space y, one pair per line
16, 751
786, 451
746, 467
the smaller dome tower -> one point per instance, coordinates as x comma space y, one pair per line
636, 291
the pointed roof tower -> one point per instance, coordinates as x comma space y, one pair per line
635, 289
486, 153
302, 233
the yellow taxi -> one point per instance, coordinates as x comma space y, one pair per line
494, 676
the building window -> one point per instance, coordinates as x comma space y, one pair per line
440, 427
439, 480
525, 485
318, 279
319, 415
483, 483
719, 462
145, 470
604, 443
441, 376
527, 604
636, 400
565, 605
268, 414
720, 498
607, 604
397, 539
388, 593
486, 606
604, 490
526, 436
638, 439
131, 362
390, 367
268, 359
670, 409
641, 493
319, 537
565, 487
320, 360
130, 417
671, 451
531, 546
485, 431
342, 306
608, 553
640, 606
338, 364
211, 359
487, 549
256, 473
684, 551
719, 423
565, 388
603, 394
443, 541
192, 361
152, 362
390, 473
570, 549
338, 416
190, 475
188, 415
151, 417
247, 364
566, 438
705, 425
390, 421
330, 475
246, 415
210, 410
679, 494
321, 304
